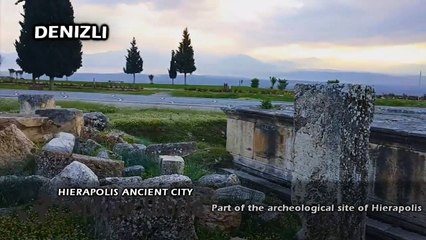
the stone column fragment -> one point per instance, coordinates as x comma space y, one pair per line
332, 128
30, 103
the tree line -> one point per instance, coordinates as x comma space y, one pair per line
59, 58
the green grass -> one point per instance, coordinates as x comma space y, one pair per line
401, 103
54, 224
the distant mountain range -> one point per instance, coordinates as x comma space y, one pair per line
217, 70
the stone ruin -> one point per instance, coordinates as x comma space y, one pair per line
73, 154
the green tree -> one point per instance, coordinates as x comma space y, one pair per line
134, 62
184, 57
255, 83
333, 81
273, 81
172, 70
151, 78
54, 58
282, 84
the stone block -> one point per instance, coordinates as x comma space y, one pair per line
238, 195
50, 164
14, 146
332, 129
30, 103
67, 120
62, 143
171, 165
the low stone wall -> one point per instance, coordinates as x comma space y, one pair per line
261, 142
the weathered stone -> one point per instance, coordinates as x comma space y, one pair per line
30, 103
62, 143
182, 149
331, 157
14, 146
167, 181
157, 217
219, 180
171, 165
136, 170
50, 164
17, 190
131, 154
68, 120
75, 175
122, 181
225, 221
96, 120
89, 147
37, 129
104, 153
238, 194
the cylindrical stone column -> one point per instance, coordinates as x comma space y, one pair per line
30, 103
332, 129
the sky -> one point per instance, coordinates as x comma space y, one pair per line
241, 37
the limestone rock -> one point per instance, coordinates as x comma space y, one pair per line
96, 120
238, 194
68, 120
104, 153
219, 180
158, 217
50, 164
171, 165
30, 103
37, 129
122, 181
136, 170
215, 220
181, 149
75, 175
17, 190
131, 154
62, 143
14, 146
89, 147
168, 181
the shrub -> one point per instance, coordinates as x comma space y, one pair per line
255, 83
333, 81
282, 84
266, 104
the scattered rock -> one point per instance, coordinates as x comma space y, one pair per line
68, 120
181, 149
50, 164
131, 154
75, 175
168, 181
62, 143
158, 217
14, 146
171, 165
122, 181
90, 133
89, 147
219, 180
223, 221
37, 129
136, 170
96, 120
238, 194
104, 153
17, 190
30, 103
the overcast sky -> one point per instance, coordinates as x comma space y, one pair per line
387, 36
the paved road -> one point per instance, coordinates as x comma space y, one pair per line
156, 100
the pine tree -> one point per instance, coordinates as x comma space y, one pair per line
172, 70
54, 58
185, 62
134, 62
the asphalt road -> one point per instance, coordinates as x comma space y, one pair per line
141, 101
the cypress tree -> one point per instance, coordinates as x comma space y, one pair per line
52, 57
172, 70
185, 62
134, 62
